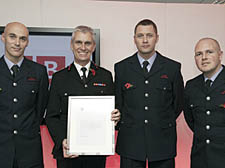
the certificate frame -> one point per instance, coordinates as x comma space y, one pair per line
90, 130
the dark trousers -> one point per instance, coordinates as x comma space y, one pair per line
37, 165
15, 165
130, 163
82, 162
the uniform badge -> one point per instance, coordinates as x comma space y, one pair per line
99, 84
93, 72
128, 85
222, 105
164, 77
223, 92
31, 79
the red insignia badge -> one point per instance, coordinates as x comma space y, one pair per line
31, 79
93, 72
164, 77
128, 85
222, 105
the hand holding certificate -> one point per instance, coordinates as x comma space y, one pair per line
90, 126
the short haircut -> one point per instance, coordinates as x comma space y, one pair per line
214, 40
146, 22
83, 29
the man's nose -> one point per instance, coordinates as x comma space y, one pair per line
83, 47
204, 56
17, 42
145, 39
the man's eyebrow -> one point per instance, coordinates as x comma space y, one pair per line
12, 34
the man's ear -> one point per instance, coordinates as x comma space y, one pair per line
157, 38
221, 55
3, 37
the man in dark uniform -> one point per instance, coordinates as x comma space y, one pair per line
205, 106
149, 94
23, 98
81, 78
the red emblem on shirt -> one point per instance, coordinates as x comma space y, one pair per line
93, 72
31, 79
222, 105
223, 92
128, 85
164, 77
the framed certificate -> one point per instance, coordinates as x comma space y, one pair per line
90, 129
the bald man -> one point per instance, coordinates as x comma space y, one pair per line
23, 98
205, 106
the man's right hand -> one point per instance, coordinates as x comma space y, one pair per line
65, 150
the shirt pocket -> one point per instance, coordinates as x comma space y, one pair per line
220, 99
164, 86
130, 93
168, 129
164, 93
30, 90
101, 88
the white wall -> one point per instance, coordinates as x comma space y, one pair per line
180, 26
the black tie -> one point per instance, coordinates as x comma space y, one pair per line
145, 69
83, 69
208, 84
15, 69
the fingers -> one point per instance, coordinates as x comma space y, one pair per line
115, 116
66, 149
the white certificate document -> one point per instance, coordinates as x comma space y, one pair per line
90, 129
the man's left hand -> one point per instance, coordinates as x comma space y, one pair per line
115, 116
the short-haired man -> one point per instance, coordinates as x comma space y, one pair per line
23, 98
149, 95
205, 106
78, 79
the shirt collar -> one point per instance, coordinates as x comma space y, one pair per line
10, 63
150, 60
213, 78
78, 67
